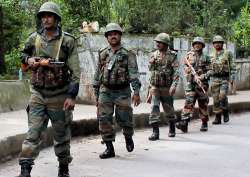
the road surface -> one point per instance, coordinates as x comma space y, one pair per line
223, 151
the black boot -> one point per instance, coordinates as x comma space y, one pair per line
204, 126
63, 170
129, 144
171, 129
109, 152
156, 132
183, 126
225, 116
217, 119
25, 169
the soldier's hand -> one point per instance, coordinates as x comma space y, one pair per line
136, 100
152, 60
172, 91
187, 70
202, 77
32, 62
69, 104
197, 79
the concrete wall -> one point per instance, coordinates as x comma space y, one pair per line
14, 95
142, 45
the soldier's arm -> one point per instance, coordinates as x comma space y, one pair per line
232, 66
186, 68
176, 74
151, 65
209, 72
74, 66
133, 73
96, 81
28, 49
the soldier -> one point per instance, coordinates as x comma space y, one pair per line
116, 70
223, 71
163, 66
51, 55
196, 66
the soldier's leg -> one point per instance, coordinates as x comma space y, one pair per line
215, 89
61, 121
168, 107
106, 127
37, 123
203, 113
154, 117
224, 100
124, 117
187, 111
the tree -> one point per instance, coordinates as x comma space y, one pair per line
2, 64
241, 29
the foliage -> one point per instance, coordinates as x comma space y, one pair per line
176, 17
241, 31
241, 27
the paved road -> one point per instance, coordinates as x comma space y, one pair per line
223, 151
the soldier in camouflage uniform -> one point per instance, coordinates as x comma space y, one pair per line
200, 63
223, 71
163, 66
53, 88
116, 70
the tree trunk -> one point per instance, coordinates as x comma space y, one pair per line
2, 63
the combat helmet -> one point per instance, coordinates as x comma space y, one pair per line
199, 40
112, 27
218, 38
50, 7
162, 37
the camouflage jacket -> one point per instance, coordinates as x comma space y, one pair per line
165, 71
200, 63
116, 70
222, 65
67, 53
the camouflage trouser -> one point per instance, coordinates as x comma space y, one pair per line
193, 93
41, 110
161, 95
219, 89
120, 100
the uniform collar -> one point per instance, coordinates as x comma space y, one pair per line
117, 51
56, 35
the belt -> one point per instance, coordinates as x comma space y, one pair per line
116, 87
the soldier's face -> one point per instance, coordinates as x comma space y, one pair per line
218, 45
198, 46
161, 46
48, 20
114, 38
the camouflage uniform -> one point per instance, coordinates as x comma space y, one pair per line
50, 87
193, 92
200, 62
164, 75
222, 71
115, 72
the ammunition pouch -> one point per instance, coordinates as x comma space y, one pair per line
49, 77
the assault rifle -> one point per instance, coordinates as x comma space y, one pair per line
196, 78
40, 61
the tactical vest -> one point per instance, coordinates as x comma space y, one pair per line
46, 76
200, 63
114, 69
162, 73
220, 64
